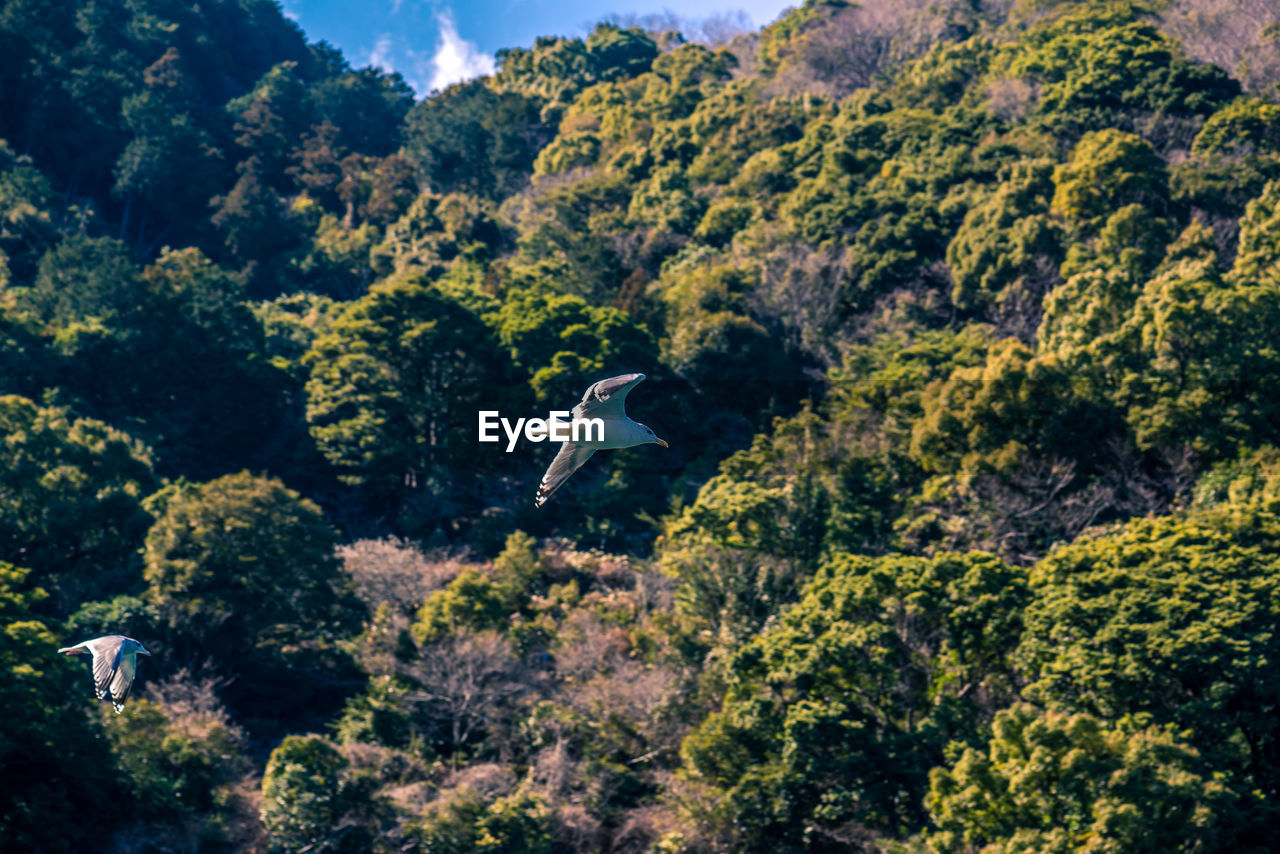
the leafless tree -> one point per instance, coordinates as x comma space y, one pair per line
466, 683
1241, 36
720, 28
393, 570
713, 31
1012, 98
1021, 513
800, 291
577, 830
864, 42
587, 646
487, 779
1019, 310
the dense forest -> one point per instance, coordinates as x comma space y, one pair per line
961, 317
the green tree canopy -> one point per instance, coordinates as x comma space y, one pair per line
308, 797
1056, 782
835, 714
72, 506
1169, 618
396, 384
50, 798
473, 139
244, 566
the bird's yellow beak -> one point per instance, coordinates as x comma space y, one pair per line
660, 442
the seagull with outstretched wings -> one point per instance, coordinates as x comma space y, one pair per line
604, 400
115, 661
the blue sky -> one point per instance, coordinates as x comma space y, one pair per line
434, 42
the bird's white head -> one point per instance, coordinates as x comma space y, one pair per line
653, 439
131, 645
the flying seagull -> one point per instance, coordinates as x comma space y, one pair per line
115, 660
603, 400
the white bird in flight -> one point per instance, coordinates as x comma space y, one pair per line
603, 400
115, 661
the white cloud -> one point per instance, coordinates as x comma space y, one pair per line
455, 59
380, 56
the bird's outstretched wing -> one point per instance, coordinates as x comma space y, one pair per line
567, 461
122, 681
107, 655
606, 398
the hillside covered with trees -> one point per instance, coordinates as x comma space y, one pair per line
961, 318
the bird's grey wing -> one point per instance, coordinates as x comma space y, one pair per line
122, 681
606, 398
107, 653
567, 461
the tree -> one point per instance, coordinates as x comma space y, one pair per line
84, 279
367, 106
714, 343
439, 230
742, 550
317, 165
307, 798
620, 53
565, 344
1056, 782
834, 715
171, 352
465, 821
1245, 126
396, 573
72, 505
472, 139
170, 167
269, 119
1192, 359
988, 418
1003, 259
464, 686
1107, 170
290, 325
447, 696
1259, 248
27, 363
242, 568
50, 796
1170, 618
27, 214
251, 219
180, 757
395, 386
1101, 61
474, 600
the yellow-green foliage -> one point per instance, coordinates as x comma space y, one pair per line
465, 822
1048, 778
1108, 169
1245, 126
246, 559
472, 600
935, 299
845, 700
1157, 618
